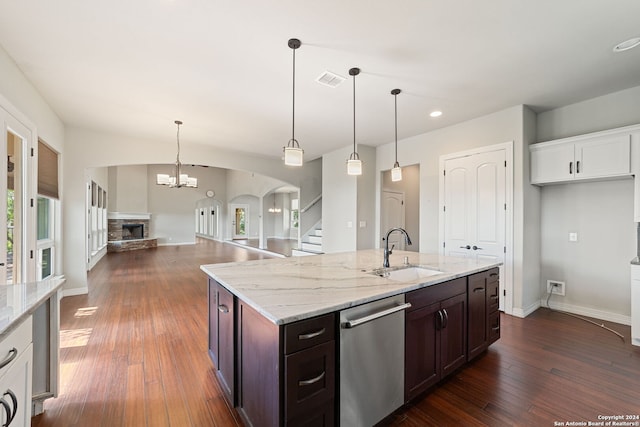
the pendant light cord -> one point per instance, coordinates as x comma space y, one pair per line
178, 140
354, 114
395, 100
293, 114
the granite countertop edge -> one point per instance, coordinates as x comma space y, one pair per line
256, 289
35, 293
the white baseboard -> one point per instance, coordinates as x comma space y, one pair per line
177, 244
84, 290
588, 311
524, 312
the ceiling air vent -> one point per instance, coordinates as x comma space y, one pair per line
330, 79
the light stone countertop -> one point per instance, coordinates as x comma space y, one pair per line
295, 288
20, 300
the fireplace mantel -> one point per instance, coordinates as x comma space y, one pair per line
128, 215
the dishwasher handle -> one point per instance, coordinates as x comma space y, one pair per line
357, 322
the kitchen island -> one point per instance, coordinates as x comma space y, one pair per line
275, 334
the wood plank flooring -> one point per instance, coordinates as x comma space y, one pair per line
134, 353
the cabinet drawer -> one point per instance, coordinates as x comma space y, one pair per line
493, 296
322, 416
494, 326
308, 333
310, 379
434, 293
493, 275
18, 339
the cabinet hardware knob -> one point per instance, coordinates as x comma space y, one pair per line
223, 308
13, 353
578, 166
570, 168
446, 318
478, 290
303, 383
310, 335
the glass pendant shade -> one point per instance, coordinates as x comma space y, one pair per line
354, 164
396, 173
293, 154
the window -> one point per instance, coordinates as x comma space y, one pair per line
46, 243
295, 213
98, 220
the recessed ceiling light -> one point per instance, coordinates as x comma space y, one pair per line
626, 45
435, 113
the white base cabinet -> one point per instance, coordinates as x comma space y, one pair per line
16, 362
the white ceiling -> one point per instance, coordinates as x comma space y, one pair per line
224, 68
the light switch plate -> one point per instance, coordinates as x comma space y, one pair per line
363, 224
573, 237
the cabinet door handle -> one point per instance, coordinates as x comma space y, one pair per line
465, 247
303, 383
494, 297
496, 328
7, 411
478, 290
578, 166
570, 168
13, 353
223, 308
440, 321
446, 318
310, 335
475, 248
493, 274
14, 400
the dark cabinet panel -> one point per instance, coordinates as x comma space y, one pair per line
422, 350
494, 327
213, 321
226, 340
477, 321
453, 334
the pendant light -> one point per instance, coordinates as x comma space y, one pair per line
354, 164
293, 154
396, 172
179, 179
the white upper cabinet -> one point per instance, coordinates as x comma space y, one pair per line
602, 155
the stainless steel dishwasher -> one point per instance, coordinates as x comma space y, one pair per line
371, 361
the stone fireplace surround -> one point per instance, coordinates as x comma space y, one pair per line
116, 242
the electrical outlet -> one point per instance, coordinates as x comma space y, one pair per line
555, 287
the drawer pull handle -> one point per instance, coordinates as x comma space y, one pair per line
223, 308
311, 381
478, 290
14, 400
13, 353
493, 274
494, 297
311, 334
495, 328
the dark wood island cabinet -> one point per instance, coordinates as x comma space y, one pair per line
283, 371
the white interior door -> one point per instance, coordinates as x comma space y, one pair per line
393, 216
475, 206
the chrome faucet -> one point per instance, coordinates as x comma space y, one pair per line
388, 251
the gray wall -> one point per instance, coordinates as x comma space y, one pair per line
410, 186
596, 268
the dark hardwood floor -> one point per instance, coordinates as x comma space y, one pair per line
134, 353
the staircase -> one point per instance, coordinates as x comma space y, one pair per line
311, 244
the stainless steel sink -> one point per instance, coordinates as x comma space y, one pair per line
406, 274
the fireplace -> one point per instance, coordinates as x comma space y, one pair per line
132, 231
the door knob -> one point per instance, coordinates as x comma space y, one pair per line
465, 247
475, 248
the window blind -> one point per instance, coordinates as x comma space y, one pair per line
47, 171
